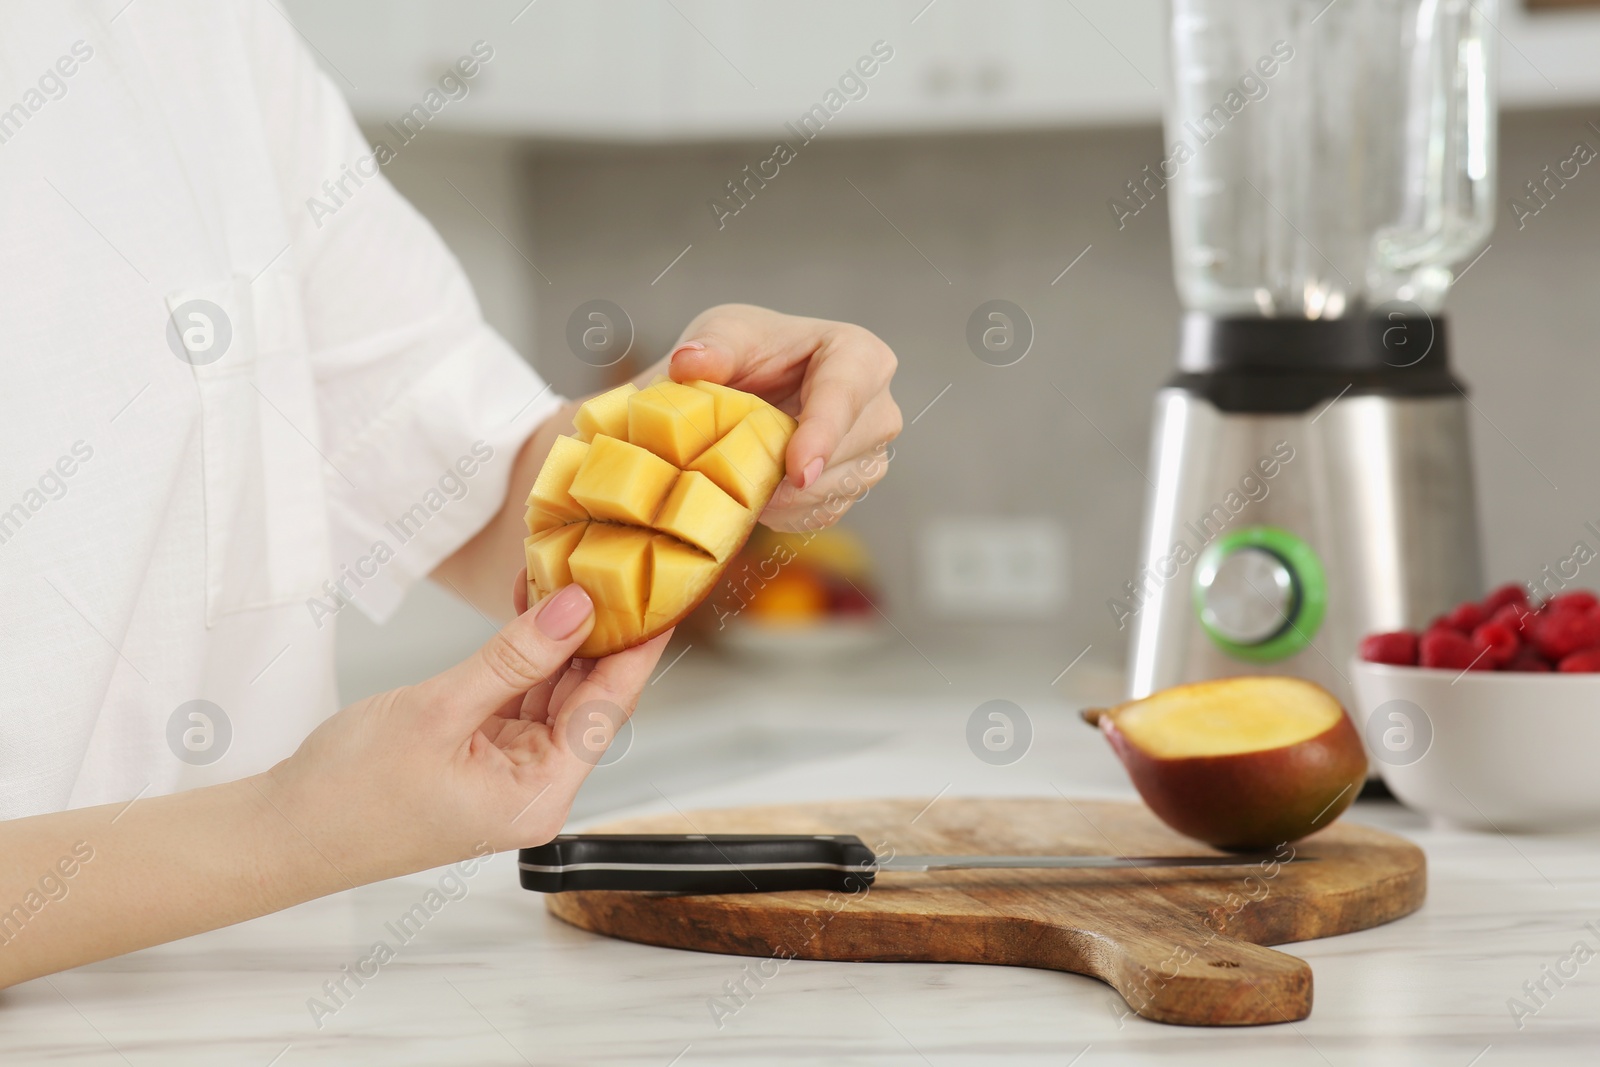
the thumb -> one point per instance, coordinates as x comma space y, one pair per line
530, 649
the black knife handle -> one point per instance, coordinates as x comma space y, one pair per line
698, 863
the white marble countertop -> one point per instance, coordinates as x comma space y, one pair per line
491, 979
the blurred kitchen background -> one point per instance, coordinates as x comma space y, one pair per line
980, 161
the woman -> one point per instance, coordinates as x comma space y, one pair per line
230, 415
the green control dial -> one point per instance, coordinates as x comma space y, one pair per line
1260, 593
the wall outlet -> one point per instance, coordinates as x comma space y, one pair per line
994, 567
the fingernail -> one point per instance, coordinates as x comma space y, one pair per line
811, 473
560, 618
687, 346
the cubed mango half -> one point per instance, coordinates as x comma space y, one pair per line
646, 503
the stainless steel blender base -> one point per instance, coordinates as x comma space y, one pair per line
1378, 486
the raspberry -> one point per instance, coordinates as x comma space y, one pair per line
1496, 643
1586, 661
1506, 595
1577, 600
1399, 648
1514, 617
1446, 648
1527, 660
1560, 632
1466, 617
1437, 626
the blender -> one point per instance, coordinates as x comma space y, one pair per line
1330, 171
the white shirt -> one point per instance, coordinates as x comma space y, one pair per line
183, 529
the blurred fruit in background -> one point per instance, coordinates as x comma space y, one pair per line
829, 575
792, 595
797, 596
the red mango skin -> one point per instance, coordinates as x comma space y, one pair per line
1250, 800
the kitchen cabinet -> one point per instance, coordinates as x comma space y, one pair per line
705, 70
558, 70
696, 70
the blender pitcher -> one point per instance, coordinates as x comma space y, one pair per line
1329, 168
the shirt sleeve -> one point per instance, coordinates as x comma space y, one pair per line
422, 406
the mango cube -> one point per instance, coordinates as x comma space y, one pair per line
674, 421
613, 630
540, 519
605, 414
612, 563
548, 554
741, 465
732, 405
622, 482
698, 512
774, 428
679, 576
551, 491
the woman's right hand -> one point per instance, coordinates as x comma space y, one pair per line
491, 751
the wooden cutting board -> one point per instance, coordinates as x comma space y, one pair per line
1180, 946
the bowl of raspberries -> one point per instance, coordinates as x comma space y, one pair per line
1490, 717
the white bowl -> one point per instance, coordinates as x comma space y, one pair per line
1489, 750
804, 642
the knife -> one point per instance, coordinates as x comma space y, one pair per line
766, 863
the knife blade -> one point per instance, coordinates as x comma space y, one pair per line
765, 863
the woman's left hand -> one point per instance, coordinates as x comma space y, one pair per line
832, 376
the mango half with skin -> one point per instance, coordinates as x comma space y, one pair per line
649, 499
1239, 763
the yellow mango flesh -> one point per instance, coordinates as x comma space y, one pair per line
612, 563
741, 465
622, 482
774, 428
732, 405
1228, 716
605, 414
547, 554
677, 571
673, 421
645, 536
539, 519
551, 491
613, 630
698, 512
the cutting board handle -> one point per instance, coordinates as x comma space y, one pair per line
1172, 968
